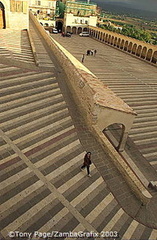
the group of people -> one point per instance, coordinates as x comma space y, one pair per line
91, 52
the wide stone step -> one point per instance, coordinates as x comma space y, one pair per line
141, 99
150, 156
28, 118
20, 73
147, 114
142, 130
34, 137
144, 135
134, 94
146, 119
8, 68
26, 100
150, 140
25, 86
141, 102
26, 93
19, 111
17, 80
37, 124
145, 108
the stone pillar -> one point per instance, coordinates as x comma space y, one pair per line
122, 142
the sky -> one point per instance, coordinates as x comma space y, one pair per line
148, 5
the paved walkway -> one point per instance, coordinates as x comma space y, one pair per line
42, 143
131, 79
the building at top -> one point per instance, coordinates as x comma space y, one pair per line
14, 14
79, 15
44, 10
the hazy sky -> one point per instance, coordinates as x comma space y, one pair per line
150, 5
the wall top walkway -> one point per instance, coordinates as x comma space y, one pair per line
129, 39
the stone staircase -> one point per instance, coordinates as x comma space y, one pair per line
42, 187
15, 45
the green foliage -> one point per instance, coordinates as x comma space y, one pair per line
133, 32
61, 9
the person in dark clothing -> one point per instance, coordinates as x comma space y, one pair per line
87, 163
83, 57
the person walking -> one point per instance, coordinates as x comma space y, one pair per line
83, 57
87, 163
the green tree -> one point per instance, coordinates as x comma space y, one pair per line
61, 9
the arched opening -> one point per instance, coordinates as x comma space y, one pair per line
143, 54
99, 34
109, 39
68, 29
85, 29
138, 52
154, 58
74, 30
134, 48
2, 16
106, 37
118, 43
59, 26
79, 30
112, 40
130, 47
126, 46
122, 44
96, 34
149, 55
115, 134
115, 41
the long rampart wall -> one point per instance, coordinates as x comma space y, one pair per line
99, 106
135, 47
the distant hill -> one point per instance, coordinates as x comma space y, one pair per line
119, 8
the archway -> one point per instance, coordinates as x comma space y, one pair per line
116, 135
85, 29
143, 54
68, 29
109, 39
154, 58
130, 47
79, 30
59, 26
122, 44
126, 46
139, 49
134, 48
106, 37
118, 43
74, 30
112, 40
115, 41
149, 55
2, 16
